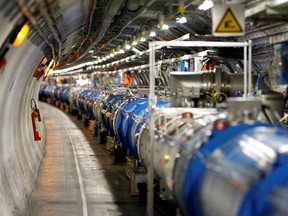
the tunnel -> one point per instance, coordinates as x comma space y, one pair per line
143, 107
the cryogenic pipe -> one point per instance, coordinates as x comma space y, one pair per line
212, 168
191, 85
209, 165
177, 132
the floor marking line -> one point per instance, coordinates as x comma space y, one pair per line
80, 179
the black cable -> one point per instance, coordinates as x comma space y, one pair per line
35, 105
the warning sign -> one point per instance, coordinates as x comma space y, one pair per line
228, 20
229, 23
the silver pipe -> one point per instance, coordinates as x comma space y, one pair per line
33, 21
250, 68
53, 30
245, 71
152, 104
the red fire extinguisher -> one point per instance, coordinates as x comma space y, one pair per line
36, 118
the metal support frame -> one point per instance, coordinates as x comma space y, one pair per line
152, 97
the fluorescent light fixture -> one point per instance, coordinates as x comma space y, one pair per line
181, 20
137, 51
112, 55
104, 58
152, 34
96, 57
165, 27
121, 51
127, 46
134, 43
22, 34
91, 51
142, 39
207, 4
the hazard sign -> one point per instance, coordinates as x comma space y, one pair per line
228, 20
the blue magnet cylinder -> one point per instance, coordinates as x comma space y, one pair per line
240, 169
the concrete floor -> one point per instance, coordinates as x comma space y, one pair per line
77, 176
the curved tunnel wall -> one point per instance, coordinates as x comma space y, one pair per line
20, 155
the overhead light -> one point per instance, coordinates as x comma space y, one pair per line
22, 34
137, 51
112, 55
142, 39
127, 46
165, 27
108, 57
95, 57
181, 20
104, 58
135, 40
152, 34
91, 51
207, 4
121, 51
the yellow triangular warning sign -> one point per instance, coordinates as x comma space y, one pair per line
228, 23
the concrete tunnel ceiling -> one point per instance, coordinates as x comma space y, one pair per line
74, 32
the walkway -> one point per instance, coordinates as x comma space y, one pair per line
77, 176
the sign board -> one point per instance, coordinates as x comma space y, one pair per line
228, 20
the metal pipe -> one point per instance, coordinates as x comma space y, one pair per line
245, 71
152, 107
139, 13
50, 24
33, 21
250, 68
200, 44
87, 33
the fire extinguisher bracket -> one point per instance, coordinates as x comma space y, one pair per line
35, 108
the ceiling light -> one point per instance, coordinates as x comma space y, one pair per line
104, 58
181, 20
135, 40
152, 34
112, 55
91, 51
22, 34
121, 51
137, 51
207, 4
95, 57
127, 46
165, 27
142, 39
